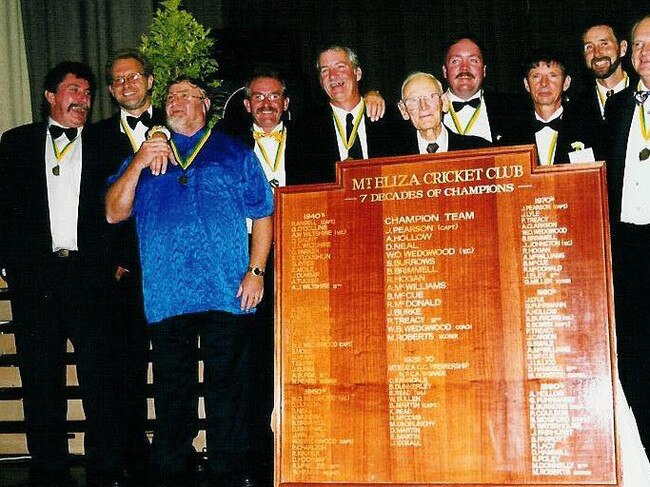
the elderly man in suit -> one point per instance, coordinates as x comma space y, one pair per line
423, 103
627, 118
53, 241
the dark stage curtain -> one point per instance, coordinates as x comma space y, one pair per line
80, 30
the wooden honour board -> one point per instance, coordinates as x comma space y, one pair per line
446, 319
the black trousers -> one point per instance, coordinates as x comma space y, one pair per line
70, 308
131, 344
225, 343
631, 266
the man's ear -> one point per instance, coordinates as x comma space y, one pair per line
623, 48
445, 103
567, 83
526, 85
285, 105
402, 110
444, 71
247, 104
206, 105
358, 73
49, 96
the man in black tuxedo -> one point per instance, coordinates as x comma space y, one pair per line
423, 103
129, 77
627, 119
53, 241
341, 130
473, 111
604, 48
276, 142
556, 128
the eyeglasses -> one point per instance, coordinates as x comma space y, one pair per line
267, 96
131, 78
430, 99
182, 96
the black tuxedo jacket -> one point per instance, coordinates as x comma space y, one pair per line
455, 141
320, 147
619, 111
573, 128
504, 114
25, 236
110, 147
588, 103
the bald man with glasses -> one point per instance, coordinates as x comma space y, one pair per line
423, 103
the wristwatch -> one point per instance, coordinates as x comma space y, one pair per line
256, 271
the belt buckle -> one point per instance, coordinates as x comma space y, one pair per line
63, 253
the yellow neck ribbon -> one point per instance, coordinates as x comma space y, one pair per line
349, 142
278, 154
185, 163
472, 120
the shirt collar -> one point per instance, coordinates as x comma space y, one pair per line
278, 128
124, 113
556, 114
453, 97
341, 113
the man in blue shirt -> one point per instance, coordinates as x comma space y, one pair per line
199, 277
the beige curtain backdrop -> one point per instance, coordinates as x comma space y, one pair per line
14, 80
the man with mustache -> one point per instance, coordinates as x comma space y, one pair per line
53, 241
555, 127
341, 130
627, 127
276, 141
604, 50
472, 110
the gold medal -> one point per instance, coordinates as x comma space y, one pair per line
183, 179
274, 183
56, 170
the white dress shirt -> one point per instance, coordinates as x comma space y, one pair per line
63, 190
635, 202
546, 139
442, 141
341, 114
481, 127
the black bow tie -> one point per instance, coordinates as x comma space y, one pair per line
459, 105
555, 124
641, 96
145, 118
57, 132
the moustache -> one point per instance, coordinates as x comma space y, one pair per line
267, 108
465, 74
599, 59
78, 106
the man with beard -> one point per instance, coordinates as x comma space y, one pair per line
199, 278
627, 119
474, 111
423, 103
558, 131
341, 130
604, 49
129, 77
53, 241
